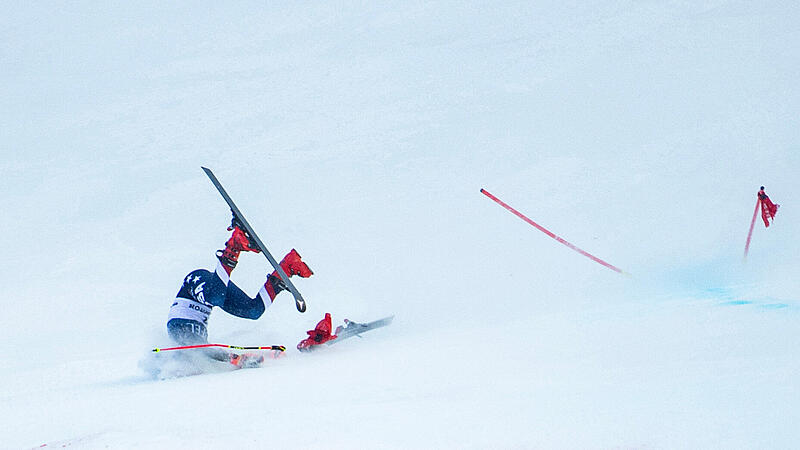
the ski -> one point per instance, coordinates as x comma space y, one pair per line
355, 328
299, 302
344, 332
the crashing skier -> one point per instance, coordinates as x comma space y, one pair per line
202, 290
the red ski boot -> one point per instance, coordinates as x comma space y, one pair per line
292, 264
319, 335
239, 242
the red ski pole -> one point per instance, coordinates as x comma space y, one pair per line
185, 347
549, 233
750, 233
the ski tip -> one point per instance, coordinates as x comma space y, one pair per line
482, 191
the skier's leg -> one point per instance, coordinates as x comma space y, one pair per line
292, 265
240, 304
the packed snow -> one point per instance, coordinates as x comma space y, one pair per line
360, 133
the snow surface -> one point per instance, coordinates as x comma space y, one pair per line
360, 133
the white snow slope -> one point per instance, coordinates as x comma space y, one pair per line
360, 133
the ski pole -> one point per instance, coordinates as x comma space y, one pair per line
552, 235
750, 233
184, 347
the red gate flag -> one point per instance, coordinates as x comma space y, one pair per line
768, 209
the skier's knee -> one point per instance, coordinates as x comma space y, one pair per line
257, 311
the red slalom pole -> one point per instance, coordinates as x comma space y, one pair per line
549, 233
185, 347
750, 233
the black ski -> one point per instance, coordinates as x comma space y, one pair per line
298, 299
